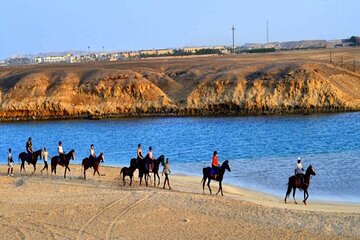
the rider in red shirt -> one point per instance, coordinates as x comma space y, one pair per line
215, 163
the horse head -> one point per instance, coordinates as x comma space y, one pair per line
102, 157
226, 165
72, 154
310, 170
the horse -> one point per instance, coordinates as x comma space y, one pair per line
206, 175
95, 164
155, 169
24, 157
143, 165
56, 160
295, 183
143, 169
129, 171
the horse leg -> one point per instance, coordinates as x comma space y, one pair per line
131, 180
208, 184
34, 169
306, 195
69, 172
124, 180
154, 179
65, 172
84, 173
287, 192
294, 190
146, 179
158, 178
220, 189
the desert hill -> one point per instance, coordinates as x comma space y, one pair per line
290, 82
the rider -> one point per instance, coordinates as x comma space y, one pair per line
139, 157
92, 156
299, 171
152, 159
29, 149
61, 152
139, 153
215, 163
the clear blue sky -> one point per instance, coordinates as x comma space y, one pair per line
34, 26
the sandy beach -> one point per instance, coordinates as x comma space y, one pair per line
51, 207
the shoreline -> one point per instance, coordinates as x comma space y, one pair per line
51, 207
232, 191
197, 114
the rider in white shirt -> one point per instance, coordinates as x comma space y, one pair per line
92, 156
61, 152
299, 171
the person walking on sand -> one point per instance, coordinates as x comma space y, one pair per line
166, 171
45, 156
10, 164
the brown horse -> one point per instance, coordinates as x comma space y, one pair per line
56, 160
23, 157
86, 163
129, 171
207, 175
295, 183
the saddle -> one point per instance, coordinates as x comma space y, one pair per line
213, 173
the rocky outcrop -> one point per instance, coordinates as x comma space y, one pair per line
97, 91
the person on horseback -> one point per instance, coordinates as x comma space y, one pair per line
139, 157
299, 171
92, 156
215, 164
139, 153
151, 158
29, 149
60, 150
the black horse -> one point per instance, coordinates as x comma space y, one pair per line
24, 157
295, 183
144, 171
142, 165
156, 167
86, 163
57, 161
129, 171
219, 178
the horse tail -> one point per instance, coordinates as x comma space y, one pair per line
121, 171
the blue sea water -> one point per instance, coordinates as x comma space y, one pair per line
262, 150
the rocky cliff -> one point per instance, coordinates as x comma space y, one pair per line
177, 87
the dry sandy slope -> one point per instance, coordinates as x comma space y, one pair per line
45, 207
285, 82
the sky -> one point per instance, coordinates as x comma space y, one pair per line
40, 26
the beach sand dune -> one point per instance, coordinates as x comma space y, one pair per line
51, 207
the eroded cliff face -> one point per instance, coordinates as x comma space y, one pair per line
48, 93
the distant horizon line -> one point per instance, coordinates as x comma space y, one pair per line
193, 46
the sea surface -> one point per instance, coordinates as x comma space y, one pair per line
262, 150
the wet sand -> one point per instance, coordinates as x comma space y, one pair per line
51, 207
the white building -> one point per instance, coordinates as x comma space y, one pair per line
55, 59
